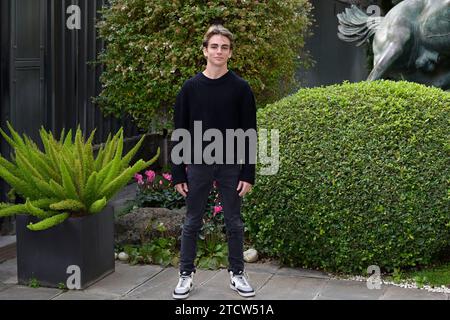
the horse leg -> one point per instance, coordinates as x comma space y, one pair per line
443, 82
387, 59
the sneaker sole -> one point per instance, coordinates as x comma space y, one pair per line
182, 296
243, 294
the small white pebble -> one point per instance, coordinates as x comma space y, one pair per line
123, 256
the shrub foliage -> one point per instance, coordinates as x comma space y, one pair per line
363, 180
154, 46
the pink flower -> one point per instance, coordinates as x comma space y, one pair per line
167, 176
217, 209
150, 175
138, 178
160, 182
214, 184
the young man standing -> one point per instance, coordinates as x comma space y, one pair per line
217, 99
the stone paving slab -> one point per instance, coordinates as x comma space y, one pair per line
218, 287
299, 272
349, 290
398, 293
156, 283
7, 240
214, 288
8, 272
125, 278
26, 293
262, 267
214, 293
293, 288
163, 283
83, 295
4, 286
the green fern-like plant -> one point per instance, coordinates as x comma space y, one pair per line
65, 179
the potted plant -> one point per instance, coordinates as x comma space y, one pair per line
65, 229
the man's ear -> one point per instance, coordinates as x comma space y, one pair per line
205, 52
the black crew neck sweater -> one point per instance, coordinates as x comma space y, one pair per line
223, 103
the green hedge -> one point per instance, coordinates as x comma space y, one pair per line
154, 46
363, 180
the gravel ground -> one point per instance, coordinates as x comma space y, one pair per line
403, 284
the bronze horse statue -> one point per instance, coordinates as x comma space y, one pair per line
412, 42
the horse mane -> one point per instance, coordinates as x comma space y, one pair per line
356, 25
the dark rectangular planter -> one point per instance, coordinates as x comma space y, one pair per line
86, 242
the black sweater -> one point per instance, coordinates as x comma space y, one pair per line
223, 103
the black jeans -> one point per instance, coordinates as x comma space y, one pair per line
200, 180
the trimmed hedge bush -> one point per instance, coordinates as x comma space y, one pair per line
363, 180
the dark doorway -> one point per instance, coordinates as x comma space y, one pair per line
27, 109
47, 76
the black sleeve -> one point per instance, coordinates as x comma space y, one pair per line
248, 121
181, 120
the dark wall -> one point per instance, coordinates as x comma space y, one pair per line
4, 55
5, 226
74, 78
47, 78
28, 80
335, 60
47, 75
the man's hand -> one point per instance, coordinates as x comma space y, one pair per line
182, 188
244, 187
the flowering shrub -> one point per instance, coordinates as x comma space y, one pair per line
212, 250
157, 191
213, 221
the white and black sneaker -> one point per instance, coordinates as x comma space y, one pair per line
239, 283
184, 286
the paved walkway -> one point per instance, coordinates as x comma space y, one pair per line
156, 283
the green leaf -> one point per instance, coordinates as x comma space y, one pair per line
98, 206
68, 205
68, 184
35, 211
48, 223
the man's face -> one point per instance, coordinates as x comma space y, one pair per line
218, 51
